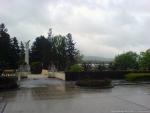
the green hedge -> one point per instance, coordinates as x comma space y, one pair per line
75, 68
138, 77
36, 67
8, 82
94, 83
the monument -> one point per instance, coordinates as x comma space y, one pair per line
27, 55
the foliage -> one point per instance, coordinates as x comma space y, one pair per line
36, 67
59, 56
138, 77
100, 67
71, 52
126, 61
9, 49
94, 83
75, 68
87, 67
144, 60
22, 54
55, 50
111, 66
15, 50
41, 51
8, 82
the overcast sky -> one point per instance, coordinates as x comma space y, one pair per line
99, 27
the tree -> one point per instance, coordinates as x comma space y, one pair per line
55, 50
126, 61
144, 60
15, 50
101, 67
72, 52
9, 49
22, 54
41, 51
5, 47
59, 57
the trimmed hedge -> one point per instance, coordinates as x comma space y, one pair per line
36, 67
8, 82
95, 83
138, 77
1, 71
74, 76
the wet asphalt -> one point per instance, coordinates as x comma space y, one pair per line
49, 95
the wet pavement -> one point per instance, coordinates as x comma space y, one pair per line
47, 95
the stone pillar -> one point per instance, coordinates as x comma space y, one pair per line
27, 55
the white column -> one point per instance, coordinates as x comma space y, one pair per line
27, 54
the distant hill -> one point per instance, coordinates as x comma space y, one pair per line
95, 58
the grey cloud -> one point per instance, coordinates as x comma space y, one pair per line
100, 27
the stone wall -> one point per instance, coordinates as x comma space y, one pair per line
45, 72
59, 75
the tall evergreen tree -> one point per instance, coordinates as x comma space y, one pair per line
72, 52
5, 47
15, 50
40, 51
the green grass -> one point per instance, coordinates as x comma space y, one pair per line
133, 77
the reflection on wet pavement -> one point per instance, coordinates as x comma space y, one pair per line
56, 96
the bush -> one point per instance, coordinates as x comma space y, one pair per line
1, 71
95, 83
87, 67
138, 77
36, 67
8, 82
75, 68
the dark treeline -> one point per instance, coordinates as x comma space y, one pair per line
11, 54
58, 51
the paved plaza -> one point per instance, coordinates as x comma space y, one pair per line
47, 95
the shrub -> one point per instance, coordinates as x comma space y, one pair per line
8, 82
87, 67
138, 77
36, 67
1, 71
94, 83
75, 68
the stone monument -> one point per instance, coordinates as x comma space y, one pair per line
27, 55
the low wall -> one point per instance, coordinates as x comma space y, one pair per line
8, 72
44, 72
73, 76
59, 75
